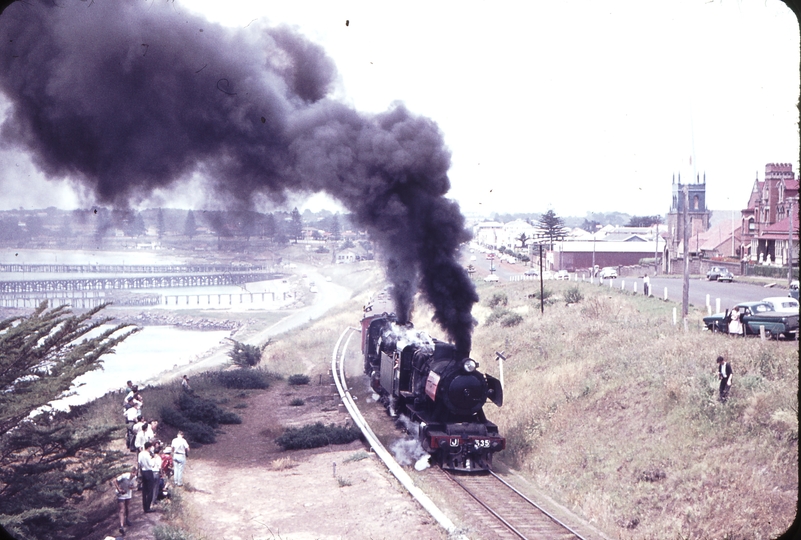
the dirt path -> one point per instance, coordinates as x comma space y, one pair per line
246, 487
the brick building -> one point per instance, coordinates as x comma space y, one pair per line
767, 217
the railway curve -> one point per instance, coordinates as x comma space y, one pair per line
507, 512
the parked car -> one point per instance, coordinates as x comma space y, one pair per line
547, 274
608, 272
756, 314
783, 303
491, 277
563, 274
531, 272
793, 289
718, 273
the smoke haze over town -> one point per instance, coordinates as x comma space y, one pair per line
634, 96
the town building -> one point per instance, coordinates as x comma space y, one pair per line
771, 212
698, 216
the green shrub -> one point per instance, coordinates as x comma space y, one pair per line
496, 316
317, 435
546, 294
343, 482
243, 379
573, 295
498, 299
205, 411
297, 402
244, 355
511, 319
194, 431
298, 379
358, 456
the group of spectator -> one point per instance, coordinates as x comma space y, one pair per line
155, 464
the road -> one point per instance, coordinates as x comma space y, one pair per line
728, 293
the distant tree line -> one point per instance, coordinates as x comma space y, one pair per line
20, 227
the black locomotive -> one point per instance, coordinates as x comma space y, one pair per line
433, 385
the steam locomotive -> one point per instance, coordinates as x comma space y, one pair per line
434, 386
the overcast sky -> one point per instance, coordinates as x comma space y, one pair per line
576, 106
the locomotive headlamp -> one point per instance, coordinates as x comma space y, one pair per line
469, 365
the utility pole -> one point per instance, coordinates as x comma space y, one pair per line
542, 287
656, 248
790, 246
685, 292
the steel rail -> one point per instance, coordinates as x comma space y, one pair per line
378, 448
537, 506
486, 506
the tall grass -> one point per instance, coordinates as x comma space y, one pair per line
613, 410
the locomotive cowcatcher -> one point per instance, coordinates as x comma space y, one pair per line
435, 386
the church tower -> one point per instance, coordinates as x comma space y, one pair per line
698, 214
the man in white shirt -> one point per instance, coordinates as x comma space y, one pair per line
144, 435
148, 468
180, 449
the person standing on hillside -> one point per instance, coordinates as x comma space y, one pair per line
724, 374
143, 435
180, 450
123, 485
185, 384
148, 468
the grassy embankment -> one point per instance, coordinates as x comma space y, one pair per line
612, 410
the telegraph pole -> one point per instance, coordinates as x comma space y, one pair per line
790, 246
542, 287
685, 292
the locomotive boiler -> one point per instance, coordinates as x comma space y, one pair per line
435, 386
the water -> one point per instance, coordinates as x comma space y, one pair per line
57, 256
141, 357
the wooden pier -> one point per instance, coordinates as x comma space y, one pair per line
134, 282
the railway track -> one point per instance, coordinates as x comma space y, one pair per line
497, 508
509, 513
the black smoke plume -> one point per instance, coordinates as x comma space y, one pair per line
127, 97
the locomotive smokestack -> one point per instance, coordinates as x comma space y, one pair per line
126, 98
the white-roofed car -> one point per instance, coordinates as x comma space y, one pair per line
491, 277
608, 272
563, 274
783, 304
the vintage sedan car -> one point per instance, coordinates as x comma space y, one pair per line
563, 275
793, 289
718, 273
783, 303
608, 272
531, 272
492, 277
756, 314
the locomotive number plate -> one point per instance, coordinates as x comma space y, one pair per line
482, 443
